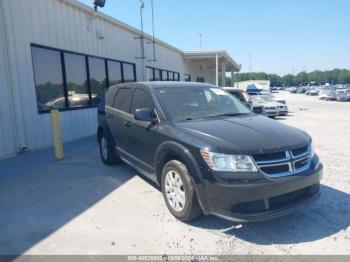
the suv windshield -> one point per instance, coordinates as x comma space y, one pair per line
194, 103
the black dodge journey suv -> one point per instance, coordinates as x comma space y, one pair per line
207, 151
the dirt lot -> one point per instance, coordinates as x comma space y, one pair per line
79, 206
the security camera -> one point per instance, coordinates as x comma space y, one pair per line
99, 3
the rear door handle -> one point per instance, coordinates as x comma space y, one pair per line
127, 123
109, 116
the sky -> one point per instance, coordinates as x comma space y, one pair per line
273, 36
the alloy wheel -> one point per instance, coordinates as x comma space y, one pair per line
104, 148
175, 191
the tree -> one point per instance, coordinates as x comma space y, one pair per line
301, 79
288, 80
275, 80
335, 76
344, 77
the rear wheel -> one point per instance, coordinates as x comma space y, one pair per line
178, 191
106, 152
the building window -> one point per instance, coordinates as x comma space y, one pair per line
129, 73
187, 77
114, 73
170, 76
76, 77
48, 79
200, 79
164, 75
157, 76
149, 73
98, 78
65, 80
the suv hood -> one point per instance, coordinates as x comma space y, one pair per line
244, 135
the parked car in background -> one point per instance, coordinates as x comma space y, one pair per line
270, 104
271, 108
293, 90
207, 151
241, 95
279, 100
343, 95
253, 90
328, 95
301, 90
312, 92
259, 109
246, 99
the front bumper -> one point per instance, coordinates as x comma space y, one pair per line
271, 113
283, 112
263, 199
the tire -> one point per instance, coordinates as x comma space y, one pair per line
106, 152
191, 209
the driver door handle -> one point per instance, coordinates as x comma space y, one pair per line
127, 123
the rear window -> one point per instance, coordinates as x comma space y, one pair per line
123, 99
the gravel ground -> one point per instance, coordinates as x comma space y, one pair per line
79, 206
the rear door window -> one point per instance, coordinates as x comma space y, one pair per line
123, 99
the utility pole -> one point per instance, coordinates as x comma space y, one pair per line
142, 42
153, 41
200, 40
250, 65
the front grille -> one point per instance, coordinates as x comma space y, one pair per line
301, 163
249, 207
269, 156
287, 199
299, 151
276, 169
284, 163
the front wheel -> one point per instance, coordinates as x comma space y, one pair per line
178, 191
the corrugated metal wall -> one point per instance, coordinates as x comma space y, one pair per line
56, 23
7, 134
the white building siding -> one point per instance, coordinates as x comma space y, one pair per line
7, 134
66, 25
58, 24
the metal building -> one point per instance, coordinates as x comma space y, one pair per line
62, 54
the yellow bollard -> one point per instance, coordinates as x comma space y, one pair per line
57, 139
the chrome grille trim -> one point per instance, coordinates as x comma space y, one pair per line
281, 160
307, 152
289, 160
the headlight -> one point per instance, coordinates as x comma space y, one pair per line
232, 163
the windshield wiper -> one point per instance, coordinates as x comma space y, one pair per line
228, 114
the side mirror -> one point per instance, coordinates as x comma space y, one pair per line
145, 114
